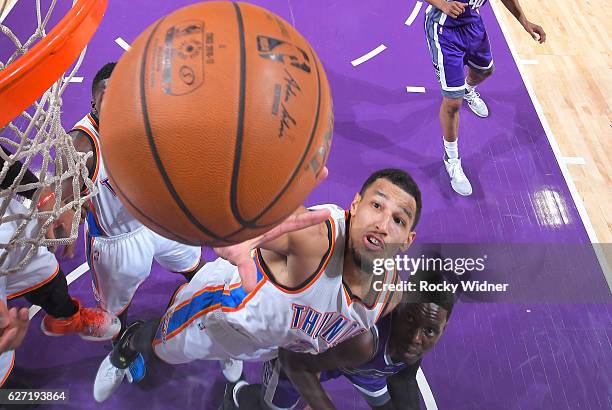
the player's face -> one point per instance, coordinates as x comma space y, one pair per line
381, 222
415, 331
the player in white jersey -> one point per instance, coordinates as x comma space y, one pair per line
310, 289
42, 283
120, 250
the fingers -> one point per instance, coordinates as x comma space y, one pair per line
24, 315
456, 8
540, 32
295, 223
322, 175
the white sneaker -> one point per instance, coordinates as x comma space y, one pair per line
459, 181
107, 380
232, 369
476, 104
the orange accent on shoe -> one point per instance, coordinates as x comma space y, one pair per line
52, 326
98, 324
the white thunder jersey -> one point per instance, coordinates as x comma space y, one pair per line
108, 216
312, 318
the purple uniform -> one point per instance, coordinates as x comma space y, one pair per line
370, 379
453, 43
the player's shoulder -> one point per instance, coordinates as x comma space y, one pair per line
338, 214
336, 221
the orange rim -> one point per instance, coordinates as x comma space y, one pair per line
27, 78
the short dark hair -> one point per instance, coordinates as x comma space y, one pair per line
102, 74
443, 298
401, 179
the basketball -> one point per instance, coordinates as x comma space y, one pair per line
215, 123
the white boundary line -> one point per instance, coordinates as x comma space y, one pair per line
547, 130
586, 221
369, 55
71, 277
428, 398
410, 89
529, 62
414, 14
122, 43
74, 80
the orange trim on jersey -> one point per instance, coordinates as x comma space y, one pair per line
232, 287
247, 297
386, 297
9, 370
94, 140
176, 294
93, 121
96, 289
38, 285
187, 323
193, 267
200, 313
317, 274
130, 302
198, 293
95, 216
350, 301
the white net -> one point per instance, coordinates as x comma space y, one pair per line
37, 140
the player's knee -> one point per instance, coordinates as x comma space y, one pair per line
451, 106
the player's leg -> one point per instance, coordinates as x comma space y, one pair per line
404, 389
181, 336
447, 53
480, 66
277, 391
177, 257
118, 266
373, 390
43, 283
187, 260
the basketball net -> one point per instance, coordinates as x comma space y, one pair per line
37, 139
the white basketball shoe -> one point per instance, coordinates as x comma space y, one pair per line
476, 104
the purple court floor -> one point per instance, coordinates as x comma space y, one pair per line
528, 355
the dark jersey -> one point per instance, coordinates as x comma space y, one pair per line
372, 376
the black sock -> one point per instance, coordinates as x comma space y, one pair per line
142, 339
123, 320
53, 297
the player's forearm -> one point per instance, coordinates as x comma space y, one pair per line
306, 382
514, 7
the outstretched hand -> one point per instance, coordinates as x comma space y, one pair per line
240, 254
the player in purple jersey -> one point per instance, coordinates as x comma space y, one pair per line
382, 364
456, 37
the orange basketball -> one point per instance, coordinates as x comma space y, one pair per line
215, 123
